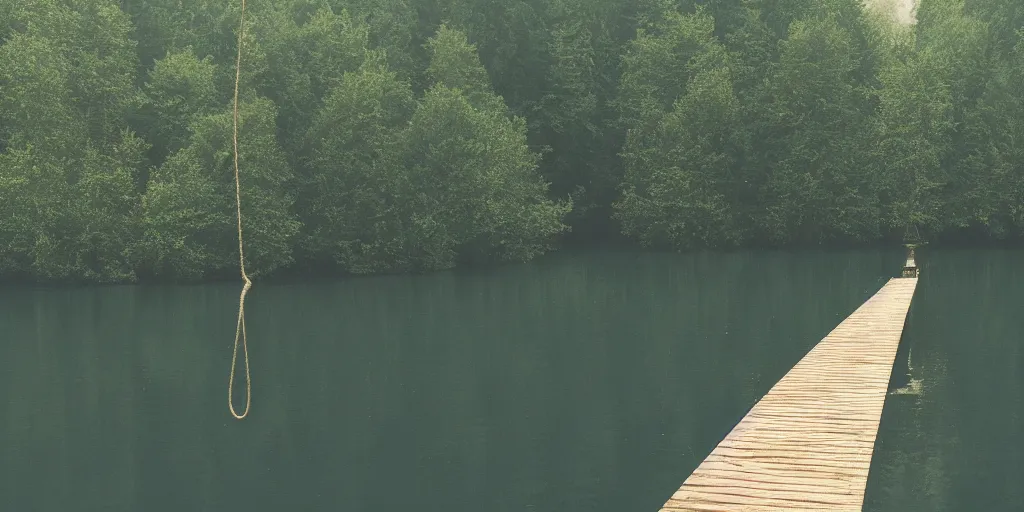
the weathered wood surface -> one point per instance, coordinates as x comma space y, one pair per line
807, 444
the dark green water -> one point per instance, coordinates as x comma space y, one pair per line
580, 383
959, 444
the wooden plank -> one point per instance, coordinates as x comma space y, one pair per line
807, 445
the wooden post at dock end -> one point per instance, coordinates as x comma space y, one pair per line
910, 268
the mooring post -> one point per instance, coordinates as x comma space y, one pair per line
910, 267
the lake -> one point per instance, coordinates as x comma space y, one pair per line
581, 382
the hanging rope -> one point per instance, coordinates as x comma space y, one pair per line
240, 327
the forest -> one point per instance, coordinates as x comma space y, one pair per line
381, 136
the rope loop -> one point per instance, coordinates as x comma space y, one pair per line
240, 326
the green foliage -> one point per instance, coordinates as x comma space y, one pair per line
189, 207
473, 185
180, 88
677, 150
675, 176
94, 38
511, 36
476, 192
101, 222
36, 106
392, 27
454, 64
356, 214
305, 54
391, 135
913, 130
163, 26
402, 190
576, 115
818, 188
659, 64
67, 170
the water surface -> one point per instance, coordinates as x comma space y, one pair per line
577, 383
957, 444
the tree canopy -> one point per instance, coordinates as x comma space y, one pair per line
412, 135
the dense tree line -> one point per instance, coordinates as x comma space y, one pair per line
405, 135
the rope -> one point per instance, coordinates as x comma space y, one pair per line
240, 327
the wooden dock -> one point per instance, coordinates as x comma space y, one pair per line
807, 444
